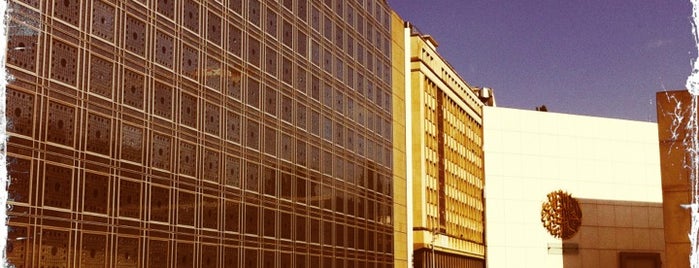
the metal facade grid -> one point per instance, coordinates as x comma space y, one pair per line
160, 133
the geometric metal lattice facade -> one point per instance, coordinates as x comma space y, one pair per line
561, 214
218, 133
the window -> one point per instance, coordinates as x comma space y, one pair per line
272, 21
254, 12
270, 101
234, 39
254, 51
271, 60
252, 176
253, 93
315, 18
287, 33
300, 115
301, 43
214, 28
639, 260
270, 140
252, 134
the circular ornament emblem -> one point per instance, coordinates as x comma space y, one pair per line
561, 214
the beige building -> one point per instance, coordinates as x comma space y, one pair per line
402, 249
609, 166
444, 159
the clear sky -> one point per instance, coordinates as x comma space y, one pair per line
594, 57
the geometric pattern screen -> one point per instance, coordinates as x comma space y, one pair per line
213, 133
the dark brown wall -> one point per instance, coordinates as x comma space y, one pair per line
673, 112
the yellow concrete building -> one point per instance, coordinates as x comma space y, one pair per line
443, 156
401, 246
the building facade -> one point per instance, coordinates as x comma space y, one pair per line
674, 111
444, 158
402, 237
611, 169
201, 134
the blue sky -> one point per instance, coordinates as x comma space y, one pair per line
595, 57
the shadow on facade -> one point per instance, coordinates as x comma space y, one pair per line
614, 234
